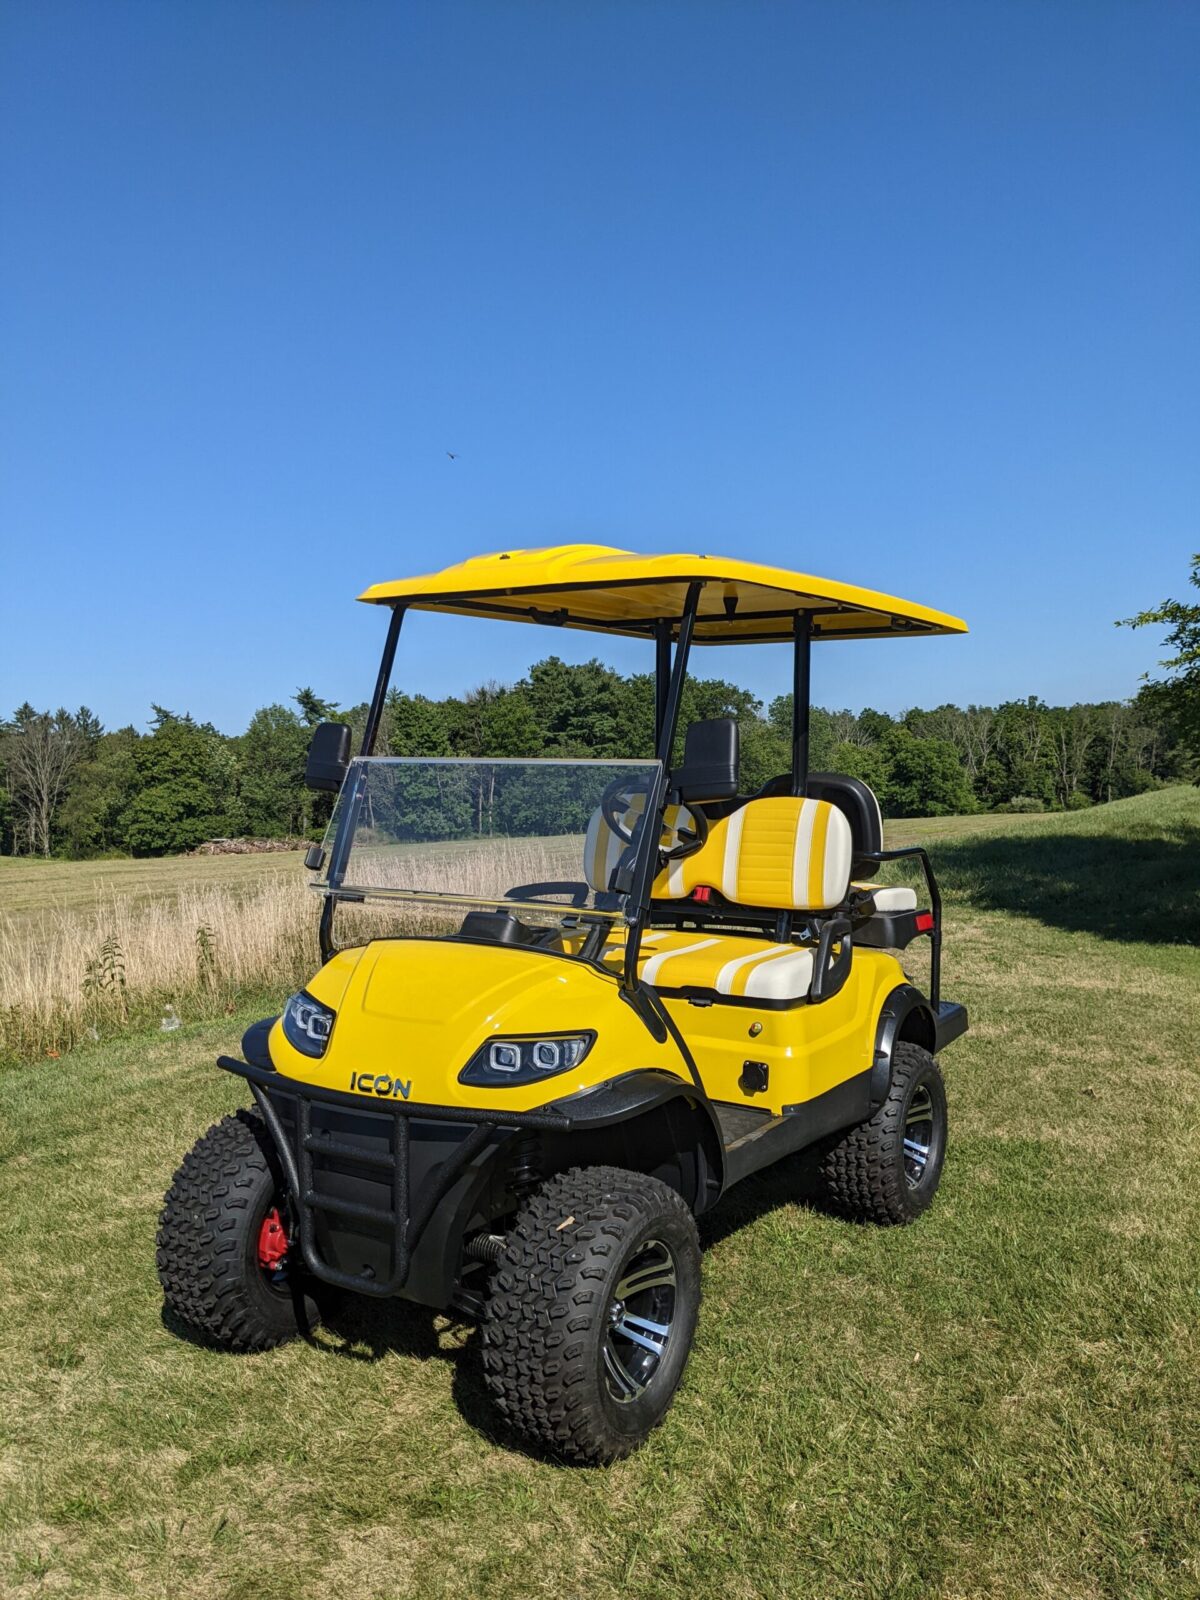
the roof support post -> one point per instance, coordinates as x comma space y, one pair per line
648, 864
375, 712
662, 675
801, 696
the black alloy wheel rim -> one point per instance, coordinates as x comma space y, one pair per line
640, 1322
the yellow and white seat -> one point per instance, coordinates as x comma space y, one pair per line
785, 853
731, 965
782, 853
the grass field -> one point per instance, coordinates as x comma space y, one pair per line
31, 887
89, 948
998, 1402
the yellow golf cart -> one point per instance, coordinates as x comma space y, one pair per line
574, 1001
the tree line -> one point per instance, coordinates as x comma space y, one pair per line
72, 788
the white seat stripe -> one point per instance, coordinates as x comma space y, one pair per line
733, 847
724, 983
802, 852
652, 968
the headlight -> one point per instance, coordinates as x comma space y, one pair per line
307, 1024
502, 1062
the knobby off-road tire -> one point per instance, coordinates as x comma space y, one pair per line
208, 1239
557, 1356
877, 1172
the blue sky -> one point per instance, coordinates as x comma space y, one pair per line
902, 293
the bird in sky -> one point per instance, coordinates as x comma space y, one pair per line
452, 455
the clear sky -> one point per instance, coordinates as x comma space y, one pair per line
902, 293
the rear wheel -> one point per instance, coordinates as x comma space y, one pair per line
225, 1258
592, 1312
887, 1170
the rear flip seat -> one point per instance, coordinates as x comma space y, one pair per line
889, 898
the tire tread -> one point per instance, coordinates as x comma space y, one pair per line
863, 1172
201, 1245
547, 1297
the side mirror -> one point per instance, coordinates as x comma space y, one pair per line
328, 756
710, 762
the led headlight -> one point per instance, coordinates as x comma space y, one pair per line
500, 1063
307, 1024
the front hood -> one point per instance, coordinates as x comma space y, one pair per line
417, 1010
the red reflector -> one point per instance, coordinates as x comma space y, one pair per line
924, 921
703, 894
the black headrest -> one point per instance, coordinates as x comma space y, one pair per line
710, 761
857, 800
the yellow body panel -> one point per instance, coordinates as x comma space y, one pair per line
600, 589
412, 1012
416, 1010
809, 1049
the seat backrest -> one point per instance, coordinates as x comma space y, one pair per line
603, 848
857, 799
782, 853
709, 773
851, 796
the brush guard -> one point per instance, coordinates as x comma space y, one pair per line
389, 1160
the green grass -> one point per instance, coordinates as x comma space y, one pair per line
999, 1401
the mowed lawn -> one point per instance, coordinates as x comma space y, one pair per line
31, 887
999, 1401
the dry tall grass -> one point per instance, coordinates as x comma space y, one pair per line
85, 972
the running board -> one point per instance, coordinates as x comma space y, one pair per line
766, 1139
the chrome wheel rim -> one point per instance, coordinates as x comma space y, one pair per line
918, 1135
638, 1327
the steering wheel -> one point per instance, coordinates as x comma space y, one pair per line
688, 840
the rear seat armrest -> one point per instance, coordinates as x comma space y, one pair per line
829, 971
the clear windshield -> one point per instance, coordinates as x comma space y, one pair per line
521, 836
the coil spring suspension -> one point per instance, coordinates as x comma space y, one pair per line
486, 1247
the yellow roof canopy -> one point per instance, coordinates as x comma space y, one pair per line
594, 587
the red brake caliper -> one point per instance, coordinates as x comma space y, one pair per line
272, 1242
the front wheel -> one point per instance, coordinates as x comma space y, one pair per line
225, 1260
887, 1169
592, 1312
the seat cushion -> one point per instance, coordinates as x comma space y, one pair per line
724, 964
889, 897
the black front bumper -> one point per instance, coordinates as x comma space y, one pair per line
383, 1193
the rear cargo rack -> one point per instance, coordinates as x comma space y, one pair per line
391, 1120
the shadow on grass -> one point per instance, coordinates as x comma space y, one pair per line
354, 1328
1119, 887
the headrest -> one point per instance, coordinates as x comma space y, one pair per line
710, 761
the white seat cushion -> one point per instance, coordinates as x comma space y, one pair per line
734, 965
890, 897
